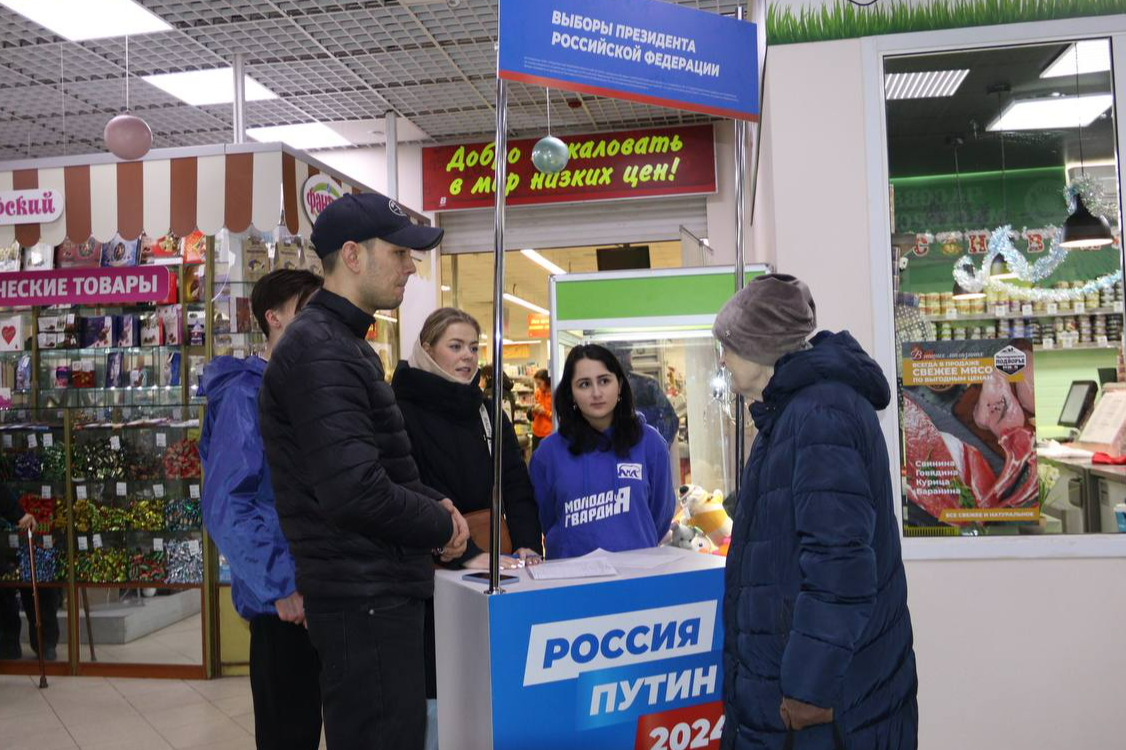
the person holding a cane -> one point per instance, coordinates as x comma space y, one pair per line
10, 625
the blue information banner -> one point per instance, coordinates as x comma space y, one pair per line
623, 665
640, 50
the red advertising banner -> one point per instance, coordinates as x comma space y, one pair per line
603, 166
85, 286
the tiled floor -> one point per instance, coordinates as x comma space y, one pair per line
94, 713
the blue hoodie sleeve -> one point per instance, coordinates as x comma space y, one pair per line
662, 498
543, 485
246, 530
835, 520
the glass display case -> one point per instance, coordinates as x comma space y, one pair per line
659, 325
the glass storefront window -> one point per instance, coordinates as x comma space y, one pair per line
995, 320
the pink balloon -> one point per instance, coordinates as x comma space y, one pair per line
128, 137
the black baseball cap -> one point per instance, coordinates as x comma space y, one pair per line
367, 216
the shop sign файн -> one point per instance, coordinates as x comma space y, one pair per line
36, 206
317, 192
604, 166
85, 286
639, 50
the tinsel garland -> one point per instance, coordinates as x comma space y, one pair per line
1094, 196
1000, 243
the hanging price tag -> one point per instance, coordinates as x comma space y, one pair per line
115, 443
48, 542
1026, 310
161, 440
1119, 306
952, 314
1048, 344
1053, 308
158, 490
158, 545
32, 441
122, 489
83, 544
45, 492
82, 492
1067, 342
193, 545
13, 540
194, 490
1080, 308
48, 440
7, 441
1102, 341
97, 541
1001, 311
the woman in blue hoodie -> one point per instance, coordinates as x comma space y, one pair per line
603, 480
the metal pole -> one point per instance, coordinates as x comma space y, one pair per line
240, 99
740, 274
38, 613
391, 131
500, 159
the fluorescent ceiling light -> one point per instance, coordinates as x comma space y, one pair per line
305, 136
446, 288
543, 262
79, 20
525, 303
1057, 113
929, 84
510, 342
1082, 57
202, 87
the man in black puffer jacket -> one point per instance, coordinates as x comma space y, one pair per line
361, 526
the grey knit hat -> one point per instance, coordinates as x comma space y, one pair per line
771, 317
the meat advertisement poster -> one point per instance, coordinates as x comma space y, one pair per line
969, 431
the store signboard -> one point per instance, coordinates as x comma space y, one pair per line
604, 166
317, 192
588, 667
539, 326
37, 206
85, 286
640, 50
969, 411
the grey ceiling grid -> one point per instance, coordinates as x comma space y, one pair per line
325, 59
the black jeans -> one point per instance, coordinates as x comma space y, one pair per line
284, 681
10, 624
373, 686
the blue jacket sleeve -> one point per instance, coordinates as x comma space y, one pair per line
540, 470
834, 518
246, 530
662, 499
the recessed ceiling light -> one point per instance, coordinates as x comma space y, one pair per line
930, 84
1052, 114
543, 262
213, 86
305, 136
1092, 56
79, 20
525, 303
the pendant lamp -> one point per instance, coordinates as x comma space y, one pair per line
1084, 231
127, 136
999, 269
550, 155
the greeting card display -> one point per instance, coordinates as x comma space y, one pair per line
11, 334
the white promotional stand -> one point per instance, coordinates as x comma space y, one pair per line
619, 662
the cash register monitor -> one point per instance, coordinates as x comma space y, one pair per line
1077, 407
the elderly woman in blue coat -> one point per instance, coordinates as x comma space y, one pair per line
818, 650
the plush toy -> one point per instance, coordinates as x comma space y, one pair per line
690, 538
706, 512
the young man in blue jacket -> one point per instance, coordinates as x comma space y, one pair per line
239, 512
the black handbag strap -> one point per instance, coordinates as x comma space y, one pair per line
838, 738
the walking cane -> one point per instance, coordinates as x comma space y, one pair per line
38, 614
